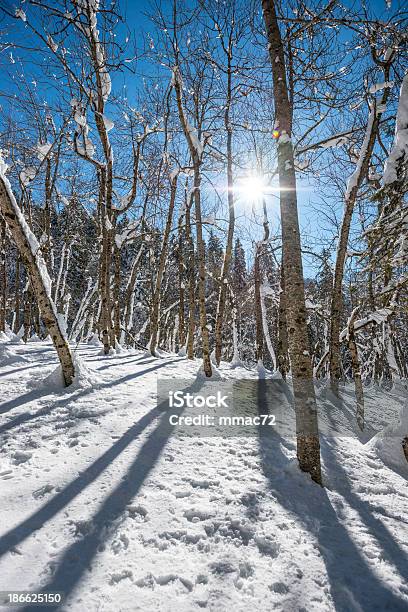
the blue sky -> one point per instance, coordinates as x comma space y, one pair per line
137, 21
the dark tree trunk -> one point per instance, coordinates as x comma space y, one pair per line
308, 445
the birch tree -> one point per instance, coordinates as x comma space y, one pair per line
29, 250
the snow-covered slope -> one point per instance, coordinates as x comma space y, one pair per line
101, 499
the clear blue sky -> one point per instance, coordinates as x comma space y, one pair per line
138, 23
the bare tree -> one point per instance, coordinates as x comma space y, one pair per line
308, 446
30, 253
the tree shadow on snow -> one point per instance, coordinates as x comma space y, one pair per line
78, 557
28, 397
353, 583
65, 401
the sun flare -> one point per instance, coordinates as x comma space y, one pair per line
252, 187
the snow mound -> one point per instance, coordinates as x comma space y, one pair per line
9, 336
8, 356
236, 362
387, 444
34, 338
216, 374
94, 341
119, 348
84, 378
261, 370
4, 338
182, 351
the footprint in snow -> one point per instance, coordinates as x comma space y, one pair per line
6, 475
118, 576
21, 457
279, 587
42, 491
181, 494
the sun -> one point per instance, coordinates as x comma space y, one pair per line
252, 187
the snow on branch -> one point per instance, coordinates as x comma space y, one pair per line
195, 144
355, 178
399, 151
86, 148
30, 237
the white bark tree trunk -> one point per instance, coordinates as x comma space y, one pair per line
29, 250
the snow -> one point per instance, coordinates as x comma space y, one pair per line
20, 14
399, 151
27, 175
3, 166
355, 177
387, 443
83, 130
43, 150
128, 233
30, 237
52, 44
209, 220
380, 86
109, 125
196, 144
283, 138
103, 500
337, 141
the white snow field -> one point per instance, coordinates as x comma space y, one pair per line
102, 500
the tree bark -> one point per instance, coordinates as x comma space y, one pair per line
35, 266
353, 187
356, 369
283, 354
201, 277
191, 284
196, 159
154, 318
116, 292
258, 308
3, 275
222, 298
308, 445
181, 280
16, 326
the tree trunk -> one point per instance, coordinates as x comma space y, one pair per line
353, 186
308, 445
35, 265
16, 326
105, 291
130, 289
283, 355
356, 369
181, 279
3, 275
191, 284
116, 292
154, 318
231, 221
258, 307
27, 310
201, 277
196, 159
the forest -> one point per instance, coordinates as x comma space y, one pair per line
204, 195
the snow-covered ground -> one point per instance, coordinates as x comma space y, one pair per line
101, 499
